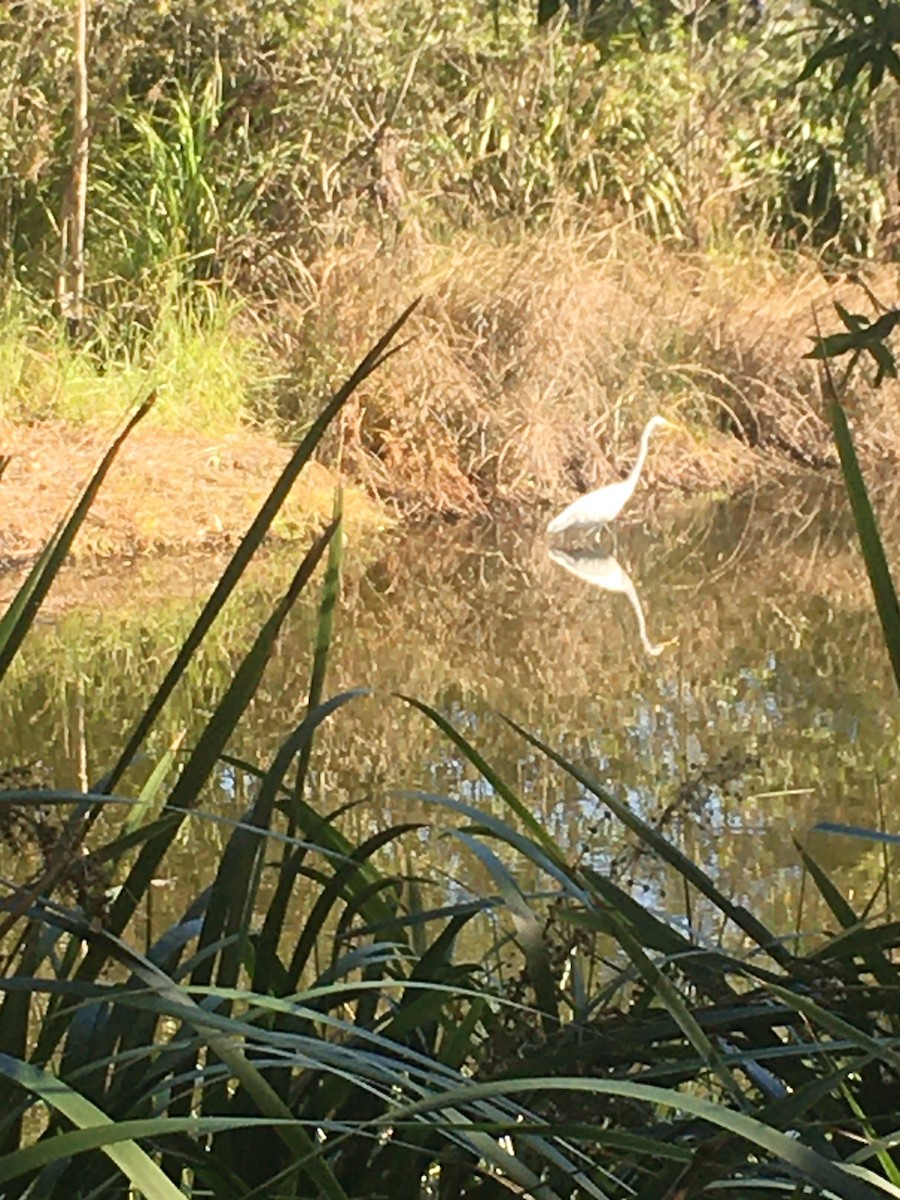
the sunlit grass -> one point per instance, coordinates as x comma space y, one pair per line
207, 371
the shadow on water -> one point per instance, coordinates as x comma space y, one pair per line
770, 709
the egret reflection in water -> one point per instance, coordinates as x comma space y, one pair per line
605, 572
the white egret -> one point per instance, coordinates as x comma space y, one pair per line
605, 504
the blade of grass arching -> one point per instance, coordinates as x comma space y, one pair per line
270, 785
132, 1161
651, 837
333, 843
347, 881
200, 764
534, 827
330, 594
251, 540
485, 821
834, 1177
886, 602
18, 618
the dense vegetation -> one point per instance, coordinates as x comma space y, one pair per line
340, 1028
320, 1021
265, 180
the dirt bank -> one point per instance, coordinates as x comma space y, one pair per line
168, 492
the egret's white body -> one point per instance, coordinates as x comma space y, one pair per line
605, 504
603, 571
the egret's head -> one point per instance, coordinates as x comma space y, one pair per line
659, 422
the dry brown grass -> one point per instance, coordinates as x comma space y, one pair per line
538, 357
535, 361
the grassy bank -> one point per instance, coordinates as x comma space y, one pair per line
536, 359
592, 246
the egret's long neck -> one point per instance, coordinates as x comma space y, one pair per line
635, 473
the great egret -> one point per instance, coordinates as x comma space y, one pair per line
603, 571
605, 504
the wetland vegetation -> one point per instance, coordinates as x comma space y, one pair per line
345, 856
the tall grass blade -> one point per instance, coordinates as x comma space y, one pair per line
330, 594
18, 618
668, 853
251, 540
132, 1161
886, 602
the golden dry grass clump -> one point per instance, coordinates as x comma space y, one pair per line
537, 359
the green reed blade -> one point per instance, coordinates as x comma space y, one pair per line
330, 594
18, 618
883, 590
131, 1160
251, 540
882, 584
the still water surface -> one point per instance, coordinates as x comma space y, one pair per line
722, 671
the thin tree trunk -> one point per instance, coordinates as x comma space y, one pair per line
71, 280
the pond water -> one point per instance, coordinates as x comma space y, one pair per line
722, 671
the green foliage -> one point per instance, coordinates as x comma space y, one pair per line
230, 143
863, 336
857, 35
